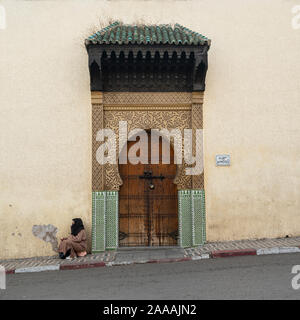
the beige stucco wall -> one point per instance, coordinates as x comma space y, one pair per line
251, 111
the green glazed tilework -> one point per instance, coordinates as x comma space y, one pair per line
104, 220
198, 217
185, 218
98, 221
119, 33
111, 219
191, 204
203, 217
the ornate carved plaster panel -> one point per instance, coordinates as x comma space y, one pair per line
146, 111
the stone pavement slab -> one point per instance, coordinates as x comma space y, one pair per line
146, 254
16, 264
244, 244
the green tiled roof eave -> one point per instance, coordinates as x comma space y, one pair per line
118, 33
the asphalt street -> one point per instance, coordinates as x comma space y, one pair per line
249, 277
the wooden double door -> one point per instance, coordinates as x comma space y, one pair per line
148, 213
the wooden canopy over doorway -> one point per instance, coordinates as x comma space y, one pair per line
147, 58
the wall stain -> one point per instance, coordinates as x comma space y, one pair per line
46, 233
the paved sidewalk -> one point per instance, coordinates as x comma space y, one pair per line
155, 255
259, 244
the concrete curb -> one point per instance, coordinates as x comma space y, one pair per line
82, 265
211, 255
233, 253
277, 250
38, 269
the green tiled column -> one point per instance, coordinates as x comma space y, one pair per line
98, 221
104, 220
191, 204
198, 217
111, 220
185, 218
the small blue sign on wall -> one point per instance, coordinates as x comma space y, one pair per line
222, 160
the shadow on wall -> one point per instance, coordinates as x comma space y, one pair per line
46, 233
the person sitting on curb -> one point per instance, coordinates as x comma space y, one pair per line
76, 243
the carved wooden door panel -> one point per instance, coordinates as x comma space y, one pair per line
148, 202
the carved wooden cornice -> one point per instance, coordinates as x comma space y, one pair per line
165, 68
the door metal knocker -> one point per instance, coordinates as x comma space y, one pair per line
148, 175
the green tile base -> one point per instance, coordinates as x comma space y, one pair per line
104, 220
191, 204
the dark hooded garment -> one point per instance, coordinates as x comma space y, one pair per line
77, 226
